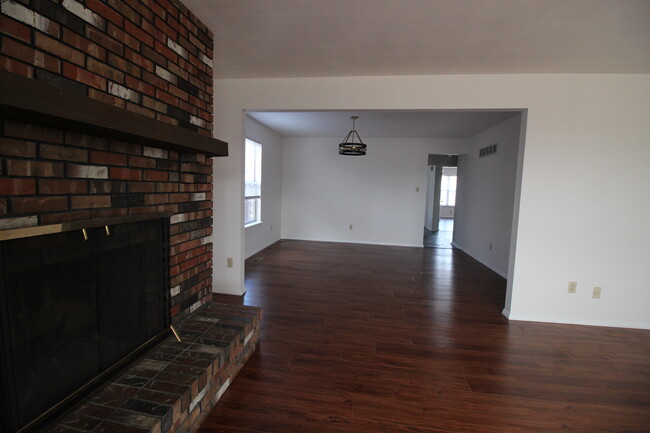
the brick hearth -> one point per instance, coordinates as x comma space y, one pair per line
172, 387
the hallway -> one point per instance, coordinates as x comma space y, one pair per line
443, 237
365, 338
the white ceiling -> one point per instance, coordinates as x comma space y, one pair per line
306, 38
381, 123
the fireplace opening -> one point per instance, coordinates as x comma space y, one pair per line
77, 301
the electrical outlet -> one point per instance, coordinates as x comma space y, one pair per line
229, 262
417, 189
596, 293
572, 286
350, 226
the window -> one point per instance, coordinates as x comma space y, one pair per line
448, 187
252, 183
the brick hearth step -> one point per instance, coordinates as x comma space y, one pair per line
174, 385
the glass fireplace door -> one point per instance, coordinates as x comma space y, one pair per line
70, 308
50, 329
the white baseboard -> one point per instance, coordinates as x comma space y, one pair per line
354, 242
573, 321
484, 262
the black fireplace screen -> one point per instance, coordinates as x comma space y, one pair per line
72, 305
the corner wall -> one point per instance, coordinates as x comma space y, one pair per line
486, 194
382, 195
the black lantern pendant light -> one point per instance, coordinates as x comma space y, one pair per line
348, 146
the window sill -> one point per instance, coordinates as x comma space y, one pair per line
256, 223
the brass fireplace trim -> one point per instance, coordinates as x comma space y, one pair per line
27, 232
175, 332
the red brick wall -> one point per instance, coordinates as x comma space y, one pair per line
151, 57
49, 176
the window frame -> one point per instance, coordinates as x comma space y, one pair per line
445, 191
256, 180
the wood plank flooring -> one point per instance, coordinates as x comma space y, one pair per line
361, 338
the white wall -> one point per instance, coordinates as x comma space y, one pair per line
486, 194
581, 129
268, 231
382, 195
431, 192
447, 211
228, 204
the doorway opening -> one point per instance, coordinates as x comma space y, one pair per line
441, 201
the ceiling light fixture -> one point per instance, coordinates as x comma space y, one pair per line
348, 146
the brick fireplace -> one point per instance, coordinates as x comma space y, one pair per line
106, 111
51, 176
152, 58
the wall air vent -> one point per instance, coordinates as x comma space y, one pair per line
487, 150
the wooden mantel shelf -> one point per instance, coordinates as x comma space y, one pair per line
29, 100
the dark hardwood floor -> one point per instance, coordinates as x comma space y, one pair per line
360, 338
